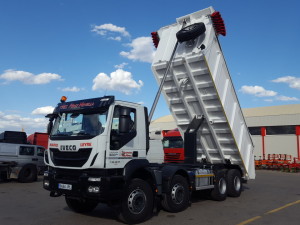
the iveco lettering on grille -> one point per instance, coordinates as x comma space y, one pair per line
68, 147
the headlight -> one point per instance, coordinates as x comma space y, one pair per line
94, 189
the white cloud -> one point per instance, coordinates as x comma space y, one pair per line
71, 89
109, 30
121, 66
286, 98
29, 78
43, 110
118, 80
15, 122
293, 82
269, 100
142, 50
257, 91
115, 38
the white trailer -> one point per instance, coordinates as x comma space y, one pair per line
98, 147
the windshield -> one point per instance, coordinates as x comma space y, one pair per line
172, 142
79, 124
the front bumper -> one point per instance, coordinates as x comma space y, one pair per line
89, 184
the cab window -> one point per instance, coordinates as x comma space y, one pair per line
123, 128
40, 151
25, 150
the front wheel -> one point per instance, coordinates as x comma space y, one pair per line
178, 197
137, 203
28, 174
81, 206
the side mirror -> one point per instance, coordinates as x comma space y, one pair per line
124, 120
50, 124
49, 127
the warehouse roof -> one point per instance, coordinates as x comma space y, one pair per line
272, 110
260, 116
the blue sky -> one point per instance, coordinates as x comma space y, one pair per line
85, 49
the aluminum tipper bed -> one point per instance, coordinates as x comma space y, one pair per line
198, 83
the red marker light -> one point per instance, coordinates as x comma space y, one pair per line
218, 23
155, 39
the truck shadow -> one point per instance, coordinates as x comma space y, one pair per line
200, 196
108, 213
101, 211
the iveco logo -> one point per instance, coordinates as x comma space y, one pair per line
68, 147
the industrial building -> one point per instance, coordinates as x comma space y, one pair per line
274, 129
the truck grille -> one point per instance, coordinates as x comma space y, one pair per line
173, 156
70, 159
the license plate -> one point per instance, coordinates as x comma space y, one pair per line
65, 186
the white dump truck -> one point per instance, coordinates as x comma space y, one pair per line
98, 147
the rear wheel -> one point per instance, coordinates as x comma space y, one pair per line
137, 203
219, 193
234, 183
178, 197
28, 174
81, 206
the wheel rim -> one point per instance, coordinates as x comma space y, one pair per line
237, 183
137, 201
177, 193
222, 186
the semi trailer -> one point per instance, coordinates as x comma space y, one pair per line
98, 147
38, 138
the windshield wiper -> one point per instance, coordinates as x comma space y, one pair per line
62, 134
82, 132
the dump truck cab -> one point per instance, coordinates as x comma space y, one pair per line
173, 146
97, 133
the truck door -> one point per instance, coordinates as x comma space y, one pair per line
27, 155
123, 144
40, 155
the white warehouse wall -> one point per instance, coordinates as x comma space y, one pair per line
275, 144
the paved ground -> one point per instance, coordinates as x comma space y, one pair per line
273, 198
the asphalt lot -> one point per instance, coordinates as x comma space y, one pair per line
272, 198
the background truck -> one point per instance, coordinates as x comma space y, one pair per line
173, 146
38, 138
15, 137
98, 147
21, 161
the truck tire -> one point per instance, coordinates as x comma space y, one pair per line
28, 174
81, 206
234, 183
178, 197
190, 32
137, 203
219, 193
